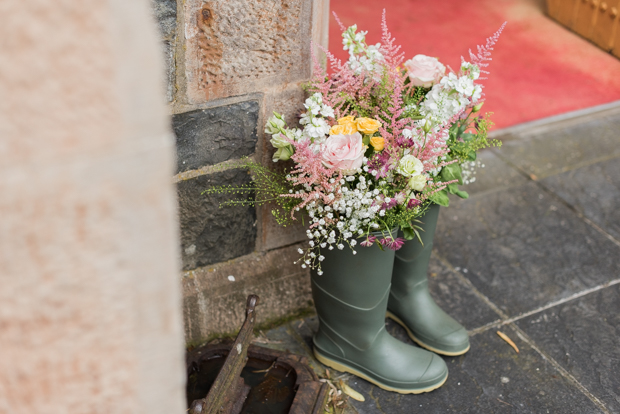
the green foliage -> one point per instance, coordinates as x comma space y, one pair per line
463, 148
464, 145
413, 99
406, 218
440, 197
411, 230
268, 186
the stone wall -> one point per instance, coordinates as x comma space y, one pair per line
230, 63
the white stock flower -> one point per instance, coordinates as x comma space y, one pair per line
317, 128
477, 93
374, 52
473, 71
327, 111
464, 85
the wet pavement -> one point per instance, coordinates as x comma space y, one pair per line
533, 253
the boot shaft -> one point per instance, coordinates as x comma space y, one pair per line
358, 280
411, 261
351, 295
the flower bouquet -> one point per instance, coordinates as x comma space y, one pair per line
381, 139
383, 142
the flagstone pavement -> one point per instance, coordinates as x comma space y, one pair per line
533, 253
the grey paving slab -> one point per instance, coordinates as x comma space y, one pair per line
306, 329
522, 249
457, 298
493, 174
280, 338
553, 152
594, 191
294, 337
490, 378
582, 336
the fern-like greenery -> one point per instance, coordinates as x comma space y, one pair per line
267, 187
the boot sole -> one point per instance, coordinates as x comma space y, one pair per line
338, 366
422, 344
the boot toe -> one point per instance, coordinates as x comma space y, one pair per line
457, 341
436, 372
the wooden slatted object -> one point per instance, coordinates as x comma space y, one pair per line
596, 20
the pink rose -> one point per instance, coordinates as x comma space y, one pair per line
345, 152
424, 70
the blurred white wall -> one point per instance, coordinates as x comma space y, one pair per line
90, 305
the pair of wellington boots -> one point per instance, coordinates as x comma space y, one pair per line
352, 299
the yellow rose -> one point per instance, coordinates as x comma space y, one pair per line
367, 125
347, 120
342, 130
377, 143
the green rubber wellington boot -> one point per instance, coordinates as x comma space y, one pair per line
411, 304
351, 300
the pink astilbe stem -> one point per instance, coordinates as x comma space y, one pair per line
342, 26
484, 52
342, 85
309, 170
391, 53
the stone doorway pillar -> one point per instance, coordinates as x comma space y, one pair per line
90, 304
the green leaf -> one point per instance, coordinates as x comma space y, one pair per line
452, 172
453, 188
462, 194
441, 198
408, 231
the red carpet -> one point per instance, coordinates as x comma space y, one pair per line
539, 68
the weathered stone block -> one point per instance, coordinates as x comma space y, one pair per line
211, 234
214, 296
236, 46
213, 135
168, 50
165, 12
271, 235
